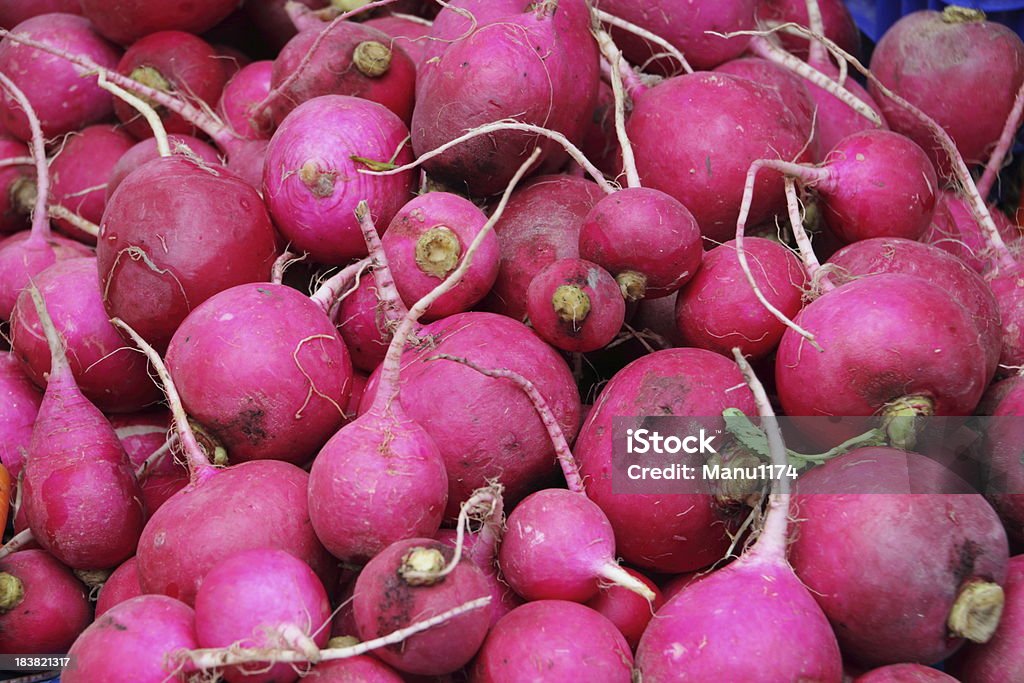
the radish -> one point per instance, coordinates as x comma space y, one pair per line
406, 31
285, 405
1005, 473
311, 184
85, 158
19, 404
575, 305
983, 62
717, 310
145, 440
272, 23
16, 11
555, 639
147, 150
954, 229
76, 462
158, 259
133, 641
110, 376
939, 558
262, 598
363, 325
838, 24
60, 97
245, 89
43, 607
1002, 658
663, 533
458, 19
359, 669
17, 190
345, 59
130, 20
122, 585
425, 242
905, 673
626, 609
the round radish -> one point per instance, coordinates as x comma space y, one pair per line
122, 585
43, 607
575, 305
19, 404
954, 229
145, 439
406, 33
16, 11
23, 256
627, 609
146, 150
1003, 438
245, 89
129, 20
360, 669
905, 673
362, 325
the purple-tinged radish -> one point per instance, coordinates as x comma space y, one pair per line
364, 325
130, 20
122, 585
19, 405
84, 505
562, 639
752, 620
245, 89
575, 305
43, 607
458, 19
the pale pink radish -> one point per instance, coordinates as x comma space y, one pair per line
43, 607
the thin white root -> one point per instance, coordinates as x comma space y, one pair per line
163, 146
620, 577
17, 542
64, 213
614, 57
669, 48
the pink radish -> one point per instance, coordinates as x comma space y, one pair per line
19, 404
122, 585
62, 99
363, 325
626, 609
245, 89
43, 607
76, 462
134, 641
905, 673
1005, 470
663, 533
110, 376
311, 184
954, 229
359, 669
575, 305
562, 639
425, 242
130, 20
17, 11
147, 150
838, 24
145, 439
460, 18
939, 558
286, 405
753, 620
406, 31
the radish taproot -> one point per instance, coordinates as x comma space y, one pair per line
43, 607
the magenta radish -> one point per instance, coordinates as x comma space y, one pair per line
147, 150
981, 61
717, 309
17, 11
19, 404
766, 625
575, 305
122, 585
245, 89
311, 182
146, 441
76, 463
63, 100
710, 185
954, 229
158, 259
262, 598
562, 639
385, 600
905, 673
663, 533
345, 59
78, 174
134, 641
359, 669
938, 560
1005, 476
540, 225
838, 23
425, 242
460, 18
43, 607
626, 609
109, 375
407, 33
16, 187
363, 326
130, 20
286, 405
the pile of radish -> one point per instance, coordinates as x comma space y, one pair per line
323, 324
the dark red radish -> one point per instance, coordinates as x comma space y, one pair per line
363, 326
690, 163
839, 25
599, 143
385, 600
1007, 283
359, 669
460, 18
575, 305
232, 59
628, 610
245, 89
126, 21
658, 317
19, 404
955, 229
1002, 658
286, 404
311, 182
262, 598
462, 91
134, 641
62, 99
147, 150
540, 225
905, 673
79, 173
272, 22
159, 257
904, 560
122, 585
17, 189
663, 533
84, 505
753, 620
688, 26
945, 63
895, 255
43, 607
16, 11
347, 59
110, 376
407, 32
1005, 469
557, 639
717, 310
425, 242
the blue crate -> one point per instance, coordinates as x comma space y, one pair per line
874, 17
